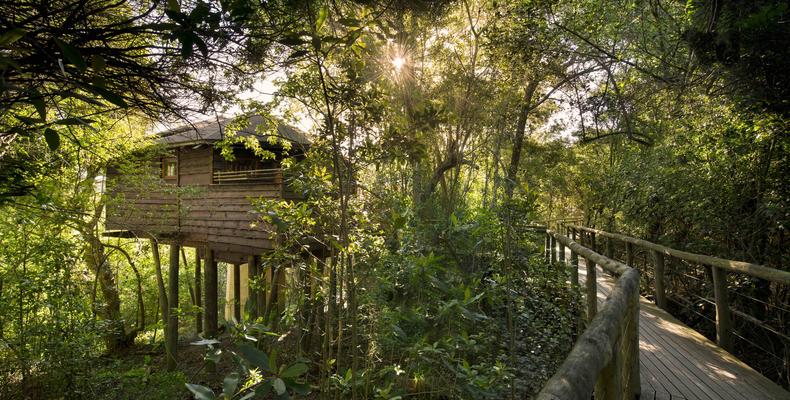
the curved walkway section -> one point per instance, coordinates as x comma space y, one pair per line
677, 362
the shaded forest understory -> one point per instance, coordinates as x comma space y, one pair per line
425, 140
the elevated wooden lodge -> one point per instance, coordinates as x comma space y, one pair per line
192, 196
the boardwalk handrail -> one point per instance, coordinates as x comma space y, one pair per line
605, 358
719, 270
755, 270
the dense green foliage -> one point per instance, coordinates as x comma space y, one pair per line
440, 132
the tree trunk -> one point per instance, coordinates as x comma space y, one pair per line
111, 310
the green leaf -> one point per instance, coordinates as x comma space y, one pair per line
110, 96
98, 63
291, 40
187, 41
173, 5
201, 392
298, 54
201, 45
273, 360
53, 138
230, 384
264, 388
299, 388
72, 54
73, 121
11, 36
28, 120
199, 13
213, 356
84, 98
295, 370
322, 14
205, 342
38, 103
278, 385
255, 357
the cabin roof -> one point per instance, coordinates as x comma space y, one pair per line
213, 130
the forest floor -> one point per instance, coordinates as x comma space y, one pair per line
139, 373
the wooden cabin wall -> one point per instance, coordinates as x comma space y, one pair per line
141, 203
194, 166
220, 215
193, 209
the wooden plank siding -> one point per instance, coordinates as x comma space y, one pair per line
192, 211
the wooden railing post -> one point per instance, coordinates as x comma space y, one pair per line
629, 254
631, 340
552, 250
723, 320
592, 242
574, 262
546, 246
610, 248
561, 252
661, 296
591, 290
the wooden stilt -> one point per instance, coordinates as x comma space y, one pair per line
260, 294
237, 292
171, 333
211, 295
198, 295
252, 276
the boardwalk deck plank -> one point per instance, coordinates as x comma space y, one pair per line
679, 363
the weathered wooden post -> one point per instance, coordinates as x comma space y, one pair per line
198, 295
552, 249
261, 294
610, 248
592, 242
561, 252
574, 262
546, 246
632, 342
171, 339
210, 327
237, 292
661, 296
591, 290
252, 276
629, 254
723, 320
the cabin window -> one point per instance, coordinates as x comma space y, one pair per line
169, 168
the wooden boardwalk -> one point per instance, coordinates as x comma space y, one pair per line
676, 362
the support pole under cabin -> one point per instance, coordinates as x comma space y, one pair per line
260, 294
198, 295
211, 295
252, 276
171, 341
237, 292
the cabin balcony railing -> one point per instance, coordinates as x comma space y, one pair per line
273, 175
